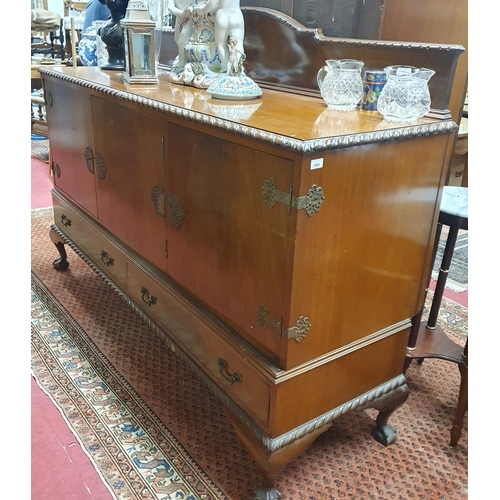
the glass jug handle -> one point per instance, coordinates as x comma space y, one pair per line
321, 75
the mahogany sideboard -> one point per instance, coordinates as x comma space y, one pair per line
278, 247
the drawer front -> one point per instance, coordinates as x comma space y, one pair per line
224, 365
93, 244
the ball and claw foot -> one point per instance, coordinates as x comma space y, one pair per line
384, 434
60, 264
266, 494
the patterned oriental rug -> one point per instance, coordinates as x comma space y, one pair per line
154, 431
40, 147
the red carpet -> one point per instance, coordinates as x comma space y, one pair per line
40, 184
68, 474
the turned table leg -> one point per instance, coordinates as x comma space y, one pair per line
463, 397
61, 263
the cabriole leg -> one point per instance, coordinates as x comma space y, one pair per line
387, 405
61, 263
271, 463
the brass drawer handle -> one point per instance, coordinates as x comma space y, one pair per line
146, 299
65, 221
108, 261
235, 377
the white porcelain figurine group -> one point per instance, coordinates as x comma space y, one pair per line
209, 37
404, 98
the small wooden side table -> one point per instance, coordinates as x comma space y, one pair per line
428, 339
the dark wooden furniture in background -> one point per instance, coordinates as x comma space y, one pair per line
73, 37
53, 47
389, 20
460, 158
38, 116
282, 259
422, 21
427, 338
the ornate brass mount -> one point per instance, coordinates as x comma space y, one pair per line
98, 160
149, 301
310, 203
265, 320
158, 199
65, 221
297, 332
231, 379
107, 260
56, 169
175, 212
89, 159
101, 167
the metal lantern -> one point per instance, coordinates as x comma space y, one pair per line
138, 34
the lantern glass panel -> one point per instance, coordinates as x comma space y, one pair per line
141, 52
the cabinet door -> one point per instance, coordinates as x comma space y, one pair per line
130, 177
226, 246
70, 135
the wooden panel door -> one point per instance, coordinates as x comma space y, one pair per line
130, 177
70, 135
362, 258
226, 245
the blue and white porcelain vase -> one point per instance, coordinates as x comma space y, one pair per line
91, 49
87, 47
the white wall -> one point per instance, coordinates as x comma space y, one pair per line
56, 6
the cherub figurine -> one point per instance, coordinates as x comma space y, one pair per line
229, 22
183, 12
236, 58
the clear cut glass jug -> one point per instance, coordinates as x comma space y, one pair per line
340, 83
405, 97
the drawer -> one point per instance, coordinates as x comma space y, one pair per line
101, 251
227, 367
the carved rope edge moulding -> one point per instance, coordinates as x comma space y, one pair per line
302, 146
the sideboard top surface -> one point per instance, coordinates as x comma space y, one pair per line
293, 121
